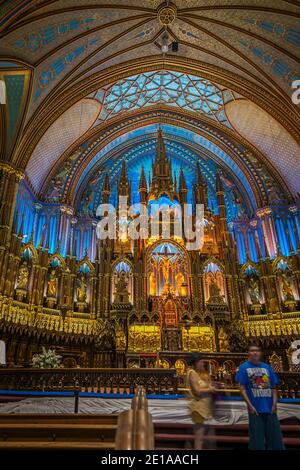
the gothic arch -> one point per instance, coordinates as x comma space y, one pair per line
53, 106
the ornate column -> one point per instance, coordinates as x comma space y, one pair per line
93, 241
294, 210
269, 231
3, 123
201, 294
93, 290
194, 287
37, 208
42, 270
10, 178
143, 285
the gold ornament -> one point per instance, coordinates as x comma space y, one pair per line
167, 14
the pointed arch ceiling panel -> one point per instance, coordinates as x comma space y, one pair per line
65, 131
141, 154
269, 136
199, 141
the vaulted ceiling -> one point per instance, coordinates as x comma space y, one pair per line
68, 40
93, 63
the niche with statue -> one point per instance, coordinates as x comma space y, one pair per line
52, 284
23, 275
83, 287
287, 285
122, 283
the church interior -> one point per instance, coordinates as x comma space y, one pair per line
164, 103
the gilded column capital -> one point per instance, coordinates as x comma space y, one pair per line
37, 206
294, 209
263, 212
67, 209
253, 223
9, 169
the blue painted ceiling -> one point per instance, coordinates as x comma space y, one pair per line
142, 153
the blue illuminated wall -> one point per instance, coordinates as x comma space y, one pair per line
24, 212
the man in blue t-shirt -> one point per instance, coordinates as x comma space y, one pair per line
258, 387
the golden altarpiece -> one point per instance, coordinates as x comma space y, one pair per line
143, 302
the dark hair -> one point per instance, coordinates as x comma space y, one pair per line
196, 357
254, 345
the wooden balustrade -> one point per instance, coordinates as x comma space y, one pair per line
157, 381
114, 381
289, 386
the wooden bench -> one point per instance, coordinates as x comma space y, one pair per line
57, 431
181, 436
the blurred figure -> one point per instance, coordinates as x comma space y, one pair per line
202, 403
258, 387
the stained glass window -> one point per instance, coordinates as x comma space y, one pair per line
122, 266
171, 88
212, 268
166, 249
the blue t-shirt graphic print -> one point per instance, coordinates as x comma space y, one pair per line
258, 380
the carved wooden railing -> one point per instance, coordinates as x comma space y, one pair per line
157, 381
114, 381
289, 386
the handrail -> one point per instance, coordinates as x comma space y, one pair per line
135, 429
113, 380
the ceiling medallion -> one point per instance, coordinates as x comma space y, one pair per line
166, 13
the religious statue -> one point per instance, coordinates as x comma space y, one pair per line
215, 296
121, 283
120, 339
237, 201
165, 267
180, 366
272, 300
167, 289
274, 195
121, 289
152, 283
181, 286
81, 289
236, 336
52, 284
54, 193
254, 290
105, 335
86, 201
223, 341
287, 289
23, 277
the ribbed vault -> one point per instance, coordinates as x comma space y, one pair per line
225, 148
111, 54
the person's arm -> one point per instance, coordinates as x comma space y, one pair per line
196, 390
274, 382
251, 408
275, 400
